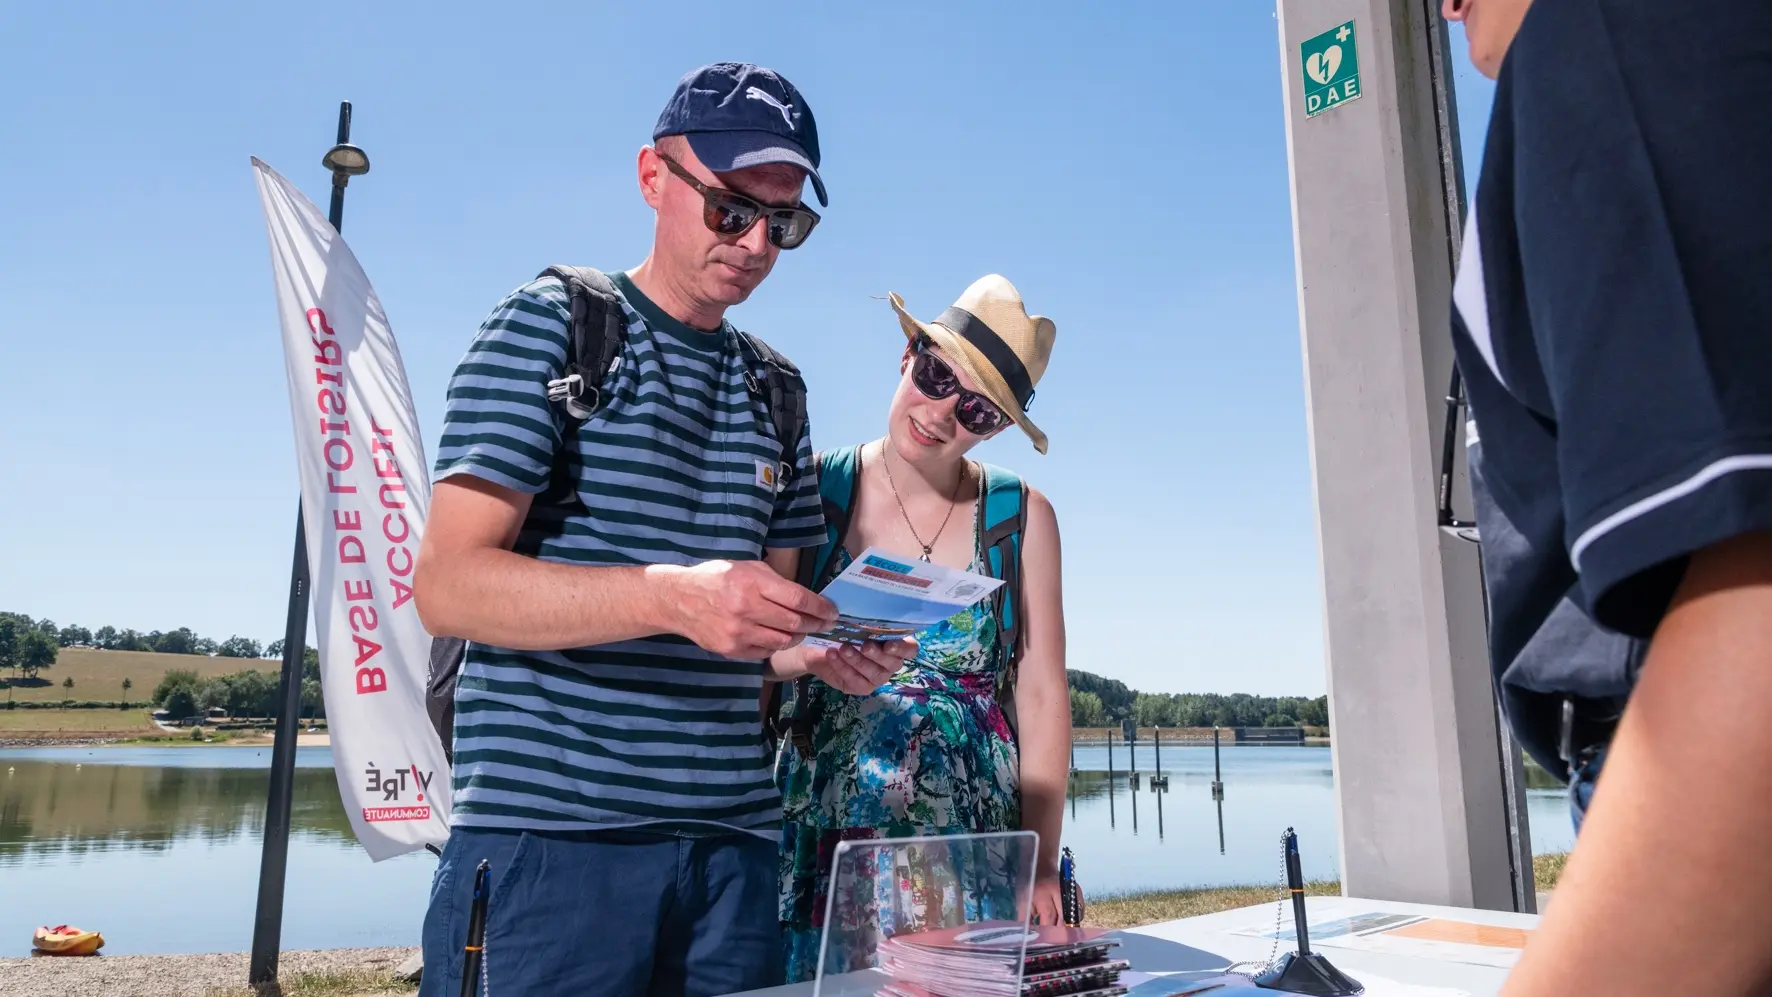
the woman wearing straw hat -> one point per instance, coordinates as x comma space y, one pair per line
973, 734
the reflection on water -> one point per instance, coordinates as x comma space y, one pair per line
159, 847
1131, 840
74, 801
1148, 839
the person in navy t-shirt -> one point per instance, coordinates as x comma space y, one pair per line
1613, 320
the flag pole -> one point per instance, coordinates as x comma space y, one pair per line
345, 161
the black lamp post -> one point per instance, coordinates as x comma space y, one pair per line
345, 161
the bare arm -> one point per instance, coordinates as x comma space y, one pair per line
1667, 888
470, 584
1042, 696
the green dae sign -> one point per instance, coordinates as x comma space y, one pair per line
1331, 65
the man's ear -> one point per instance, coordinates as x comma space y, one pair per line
649, 170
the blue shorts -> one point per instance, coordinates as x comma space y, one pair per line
624, 913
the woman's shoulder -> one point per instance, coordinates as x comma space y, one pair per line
996, 476
1002, 486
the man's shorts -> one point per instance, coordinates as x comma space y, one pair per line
620, 913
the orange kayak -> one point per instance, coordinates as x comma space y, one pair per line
63, 940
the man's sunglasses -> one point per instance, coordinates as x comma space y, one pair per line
974, 412
730, 213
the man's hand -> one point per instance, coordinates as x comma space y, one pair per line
741, 609
858, 670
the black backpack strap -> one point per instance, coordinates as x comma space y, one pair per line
775, 380
593, 341
446, 658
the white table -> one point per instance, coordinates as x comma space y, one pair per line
1390, 964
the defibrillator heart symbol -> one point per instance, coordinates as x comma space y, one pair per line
1323, 65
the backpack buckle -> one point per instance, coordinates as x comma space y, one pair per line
751, 383
569, 391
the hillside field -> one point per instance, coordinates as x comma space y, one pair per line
98, 675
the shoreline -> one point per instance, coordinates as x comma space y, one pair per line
319, 739
363, 971
320, 972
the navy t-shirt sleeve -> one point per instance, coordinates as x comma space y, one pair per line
1643, 203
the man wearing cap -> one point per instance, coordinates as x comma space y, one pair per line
609, 762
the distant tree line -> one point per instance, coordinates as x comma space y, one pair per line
1103, 702
246, 693
181, 641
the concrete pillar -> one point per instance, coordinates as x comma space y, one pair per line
1418, 765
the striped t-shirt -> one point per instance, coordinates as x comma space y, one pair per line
669, 470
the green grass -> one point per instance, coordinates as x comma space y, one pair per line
112, 723
1131, 910
338, 983
1547, 869
99, 675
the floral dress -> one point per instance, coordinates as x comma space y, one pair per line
928, 753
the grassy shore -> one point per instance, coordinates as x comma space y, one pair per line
329, 983
1134, 909
25, 727
123, 728
370, 972
126, 722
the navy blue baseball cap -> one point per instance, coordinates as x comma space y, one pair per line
736, 115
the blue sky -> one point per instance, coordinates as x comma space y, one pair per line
1127, 172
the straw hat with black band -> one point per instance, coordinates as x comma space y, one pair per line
990, 335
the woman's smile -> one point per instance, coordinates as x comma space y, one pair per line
923, 436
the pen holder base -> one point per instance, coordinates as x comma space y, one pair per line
1310, 974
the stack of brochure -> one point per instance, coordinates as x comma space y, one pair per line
986, 960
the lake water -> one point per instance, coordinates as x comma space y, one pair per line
159, 847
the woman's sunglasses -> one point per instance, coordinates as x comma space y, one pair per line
730, 213
974, 412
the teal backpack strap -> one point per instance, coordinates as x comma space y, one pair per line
838, 472
1002, 518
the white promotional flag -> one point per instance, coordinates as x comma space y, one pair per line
365, 487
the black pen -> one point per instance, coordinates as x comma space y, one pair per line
475, 948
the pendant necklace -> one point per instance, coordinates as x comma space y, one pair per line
953, 499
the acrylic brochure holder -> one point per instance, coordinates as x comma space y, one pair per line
964, 898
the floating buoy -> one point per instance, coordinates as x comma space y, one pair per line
63, 940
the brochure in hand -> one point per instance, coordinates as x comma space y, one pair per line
883, 596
